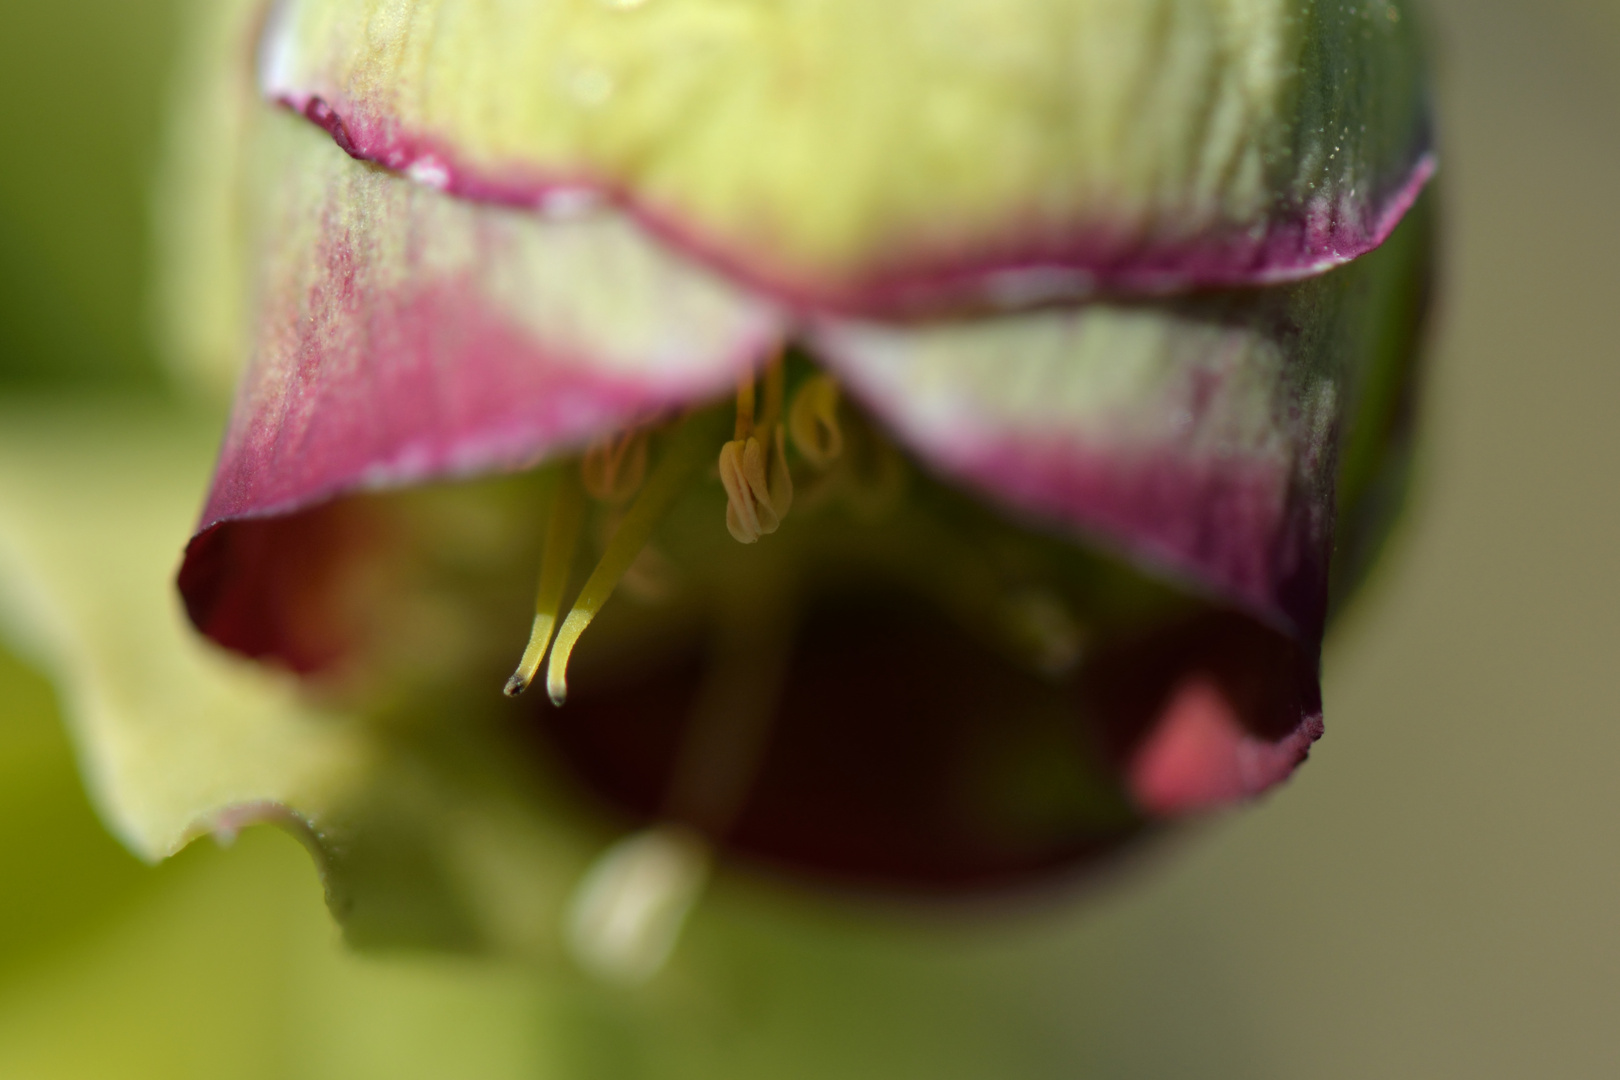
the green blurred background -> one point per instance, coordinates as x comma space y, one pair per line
1436, 895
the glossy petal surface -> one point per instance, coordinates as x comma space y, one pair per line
900, 156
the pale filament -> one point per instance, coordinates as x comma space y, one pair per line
745, 407
613, 468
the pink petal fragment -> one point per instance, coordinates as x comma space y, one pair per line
404, 336
1237, 523
1200, 757
1192, 444
1199, 436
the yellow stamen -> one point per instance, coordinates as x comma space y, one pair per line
613, 468
666, 483
813, 422
759, 487
562, 538
742, 512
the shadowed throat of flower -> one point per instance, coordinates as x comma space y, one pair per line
864, 549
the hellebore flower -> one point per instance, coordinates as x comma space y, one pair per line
938, 431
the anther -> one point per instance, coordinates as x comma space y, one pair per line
759, 488
753, 466
562, 538
813, 422
614, 468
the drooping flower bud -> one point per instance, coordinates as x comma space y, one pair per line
1083, 326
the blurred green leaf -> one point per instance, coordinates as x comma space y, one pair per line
82, 96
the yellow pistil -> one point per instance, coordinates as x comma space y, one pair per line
562, 538
753, 466
664, 485
813, 422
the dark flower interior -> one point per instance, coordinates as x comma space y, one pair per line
899, 690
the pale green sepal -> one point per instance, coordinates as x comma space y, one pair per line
95, 503
424, 837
